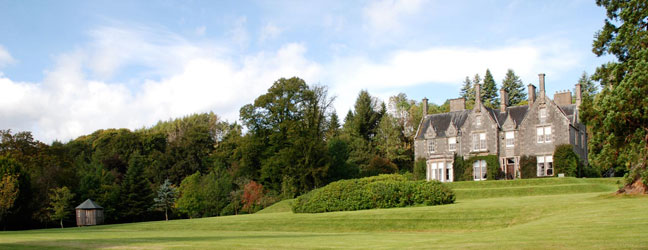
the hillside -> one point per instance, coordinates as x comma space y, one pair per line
585, 217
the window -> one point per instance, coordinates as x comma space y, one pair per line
452, 144
544, 134
510, 139
430, 144
436, 171
479, 170
545, 165
449, 173
479, 141
542, 113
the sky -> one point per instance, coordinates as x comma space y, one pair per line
68, 68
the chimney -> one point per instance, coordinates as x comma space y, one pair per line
531, 94
542, 86
563, 98
425, 106
457, 104
477, 96
578, 95
503, 100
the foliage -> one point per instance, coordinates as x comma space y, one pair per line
489, 91
619, 117
392, 144
514, 88
467, 90
60, 204
15, 190
340, 168
9, 190
493, 170
420, 169
566, 161
528, 167
374, 192
166, 197
136, 196
204, 195
252, 195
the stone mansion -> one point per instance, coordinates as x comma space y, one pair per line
508, 132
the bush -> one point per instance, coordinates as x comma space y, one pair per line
420, 169
459, 169
384, 191
566, 161
528, 167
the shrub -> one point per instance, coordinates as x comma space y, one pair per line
528, 167
566, 161
382, 191
420, 168
459, 169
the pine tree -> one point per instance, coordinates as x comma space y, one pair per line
135, 192
588, 87
514, 88
334, 126
467, 90
166, 196
489, 91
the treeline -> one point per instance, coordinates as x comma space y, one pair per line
200, 165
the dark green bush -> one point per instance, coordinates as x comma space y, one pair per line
382, 191
566, 161
420, 169
528, 167
459, 168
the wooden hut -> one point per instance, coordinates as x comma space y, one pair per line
89, 213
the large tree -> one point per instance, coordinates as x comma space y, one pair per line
489, 91
467, 90
619, 118
514, 88
60, 204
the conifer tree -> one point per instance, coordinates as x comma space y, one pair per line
489, 91
513, 86
467, 90
135, 192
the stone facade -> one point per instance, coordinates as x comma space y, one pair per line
508, 132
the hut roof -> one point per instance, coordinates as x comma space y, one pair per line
89, 204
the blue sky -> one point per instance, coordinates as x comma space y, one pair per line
68, 68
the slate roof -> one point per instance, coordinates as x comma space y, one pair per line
441, 122
89, 204
569, 111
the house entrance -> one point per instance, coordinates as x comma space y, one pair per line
510, 168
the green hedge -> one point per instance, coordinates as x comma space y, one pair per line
566, 161
528, 167
384, 191
420, 169
493, 170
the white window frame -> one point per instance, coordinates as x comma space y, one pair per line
510, 139
543, 134
440, 171
431, 147
482, 141
479, 170
542, 114
479, 142
452, 144
545, 165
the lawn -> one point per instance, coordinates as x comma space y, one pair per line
543, 213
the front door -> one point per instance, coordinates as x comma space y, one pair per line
510, 168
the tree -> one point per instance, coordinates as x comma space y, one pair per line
467, 90
60, 204
513, 86
392, 144
489, 91
619, 118
566, 161
9, 190
365, 117
136, 196
588, 87
14, 190
166, 197
252, 195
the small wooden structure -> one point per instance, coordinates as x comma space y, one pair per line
89, 213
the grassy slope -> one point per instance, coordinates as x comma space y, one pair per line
575, 220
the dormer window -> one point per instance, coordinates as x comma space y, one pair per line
452, 144
430, 144
510, 139
542, 114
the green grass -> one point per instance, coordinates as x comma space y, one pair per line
279, 207
585, 217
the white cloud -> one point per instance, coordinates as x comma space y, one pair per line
238, 33
387, 15
5, 57
269, 32
201, 30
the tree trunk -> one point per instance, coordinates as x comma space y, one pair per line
166, 214
636, 187
61, 223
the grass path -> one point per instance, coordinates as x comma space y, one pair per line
573, 220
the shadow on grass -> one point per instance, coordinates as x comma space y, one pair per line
125, 242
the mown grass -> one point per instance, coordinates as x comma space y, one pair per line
589, 219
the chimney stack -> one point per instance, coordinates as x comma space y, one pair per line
531, 94
457, 104
477, 96
542, 86
503, 100
425, 106
578, 95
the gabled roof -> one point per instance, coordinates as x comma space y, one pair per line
441, 122
89, 204
517, 113
569, 111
